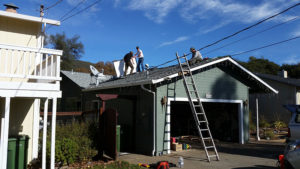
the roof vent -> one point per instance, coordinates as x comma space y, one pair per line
11, 8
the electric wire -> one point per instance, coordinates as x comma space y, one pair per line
262, 47
252, 35
75, 7
238, 32
58, 2
251, 26
89, 6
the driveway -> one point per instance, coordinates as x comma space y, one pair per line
253, 155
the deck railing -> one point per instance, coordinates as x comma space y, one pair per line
29, 63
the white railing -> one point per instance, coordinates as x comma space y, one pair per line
29, 63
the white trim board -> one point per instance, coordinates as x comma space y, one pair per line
29, 86
183, 99
28, 18
30, 93
30, 49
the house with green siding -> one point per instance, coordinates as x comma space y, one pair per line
152, 106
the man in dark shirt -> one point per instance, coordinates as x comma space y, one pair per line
127, 60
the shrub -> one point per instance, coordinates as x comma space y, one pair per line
263, 123
278, 125
74, 143
65, 151
270, 134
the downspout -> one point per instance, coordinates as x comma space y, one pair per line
154, 117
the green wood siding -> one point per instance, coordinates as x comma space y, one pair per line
135, 108
213, 81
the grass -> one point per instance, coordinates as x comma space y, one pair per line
117, 165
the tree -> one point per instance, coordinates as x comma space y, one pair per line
261, 66
72, 49
108, 67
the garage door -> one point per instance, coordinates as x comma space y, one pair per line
222, 118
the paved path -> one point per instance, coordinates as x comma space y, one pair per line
249, 156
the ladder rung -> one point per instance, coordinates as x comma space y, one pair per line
206, 138
203, 129
210, 147
199, 113
202, 121
197, 105
195, 91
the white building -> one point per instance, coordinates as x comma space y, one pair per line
28, 73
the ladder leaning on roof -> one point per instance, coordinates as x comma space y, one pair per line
197, 108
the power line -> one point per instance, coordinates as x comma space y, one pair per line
91, 5
251, 26
242, 30
266, 46
252, 35
72, 9
59, 1
62, 19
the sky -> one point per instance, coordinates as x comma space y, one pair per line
112, 28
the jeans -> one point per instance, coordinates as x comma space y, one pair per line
140, 63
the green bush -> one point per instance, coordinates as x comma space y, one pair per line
270, 134
263, 123
74, 143
278, 125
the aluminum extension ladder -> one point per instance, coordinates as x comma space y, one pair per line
197, 108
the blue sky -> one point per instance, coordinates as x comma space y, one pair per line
163, 27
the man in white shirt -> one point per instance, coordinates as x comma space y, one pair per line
139, 54
196, 56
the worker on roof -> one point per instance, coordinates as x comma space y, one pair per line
127, 59
196, 56
139, 54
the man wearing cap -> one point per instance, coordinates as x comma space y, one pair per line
139, 54
196, 56
127, 60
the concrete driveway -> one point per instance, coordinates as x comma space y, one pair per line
253, 155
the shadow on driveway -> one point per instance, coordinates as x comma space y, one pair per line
262, 150
257, 167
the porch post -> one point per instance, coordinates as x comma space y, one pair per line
52, 164
44, 134
5, 133
36, 120
2, 135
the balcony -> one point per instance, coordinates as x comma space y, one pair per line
29, 69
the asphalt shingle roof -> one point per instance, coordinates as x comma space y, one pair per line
152, 76
289, 81
83, 80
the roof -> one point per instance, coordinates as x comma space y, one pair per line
84, 80
154, 76
28, 18
289, 81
